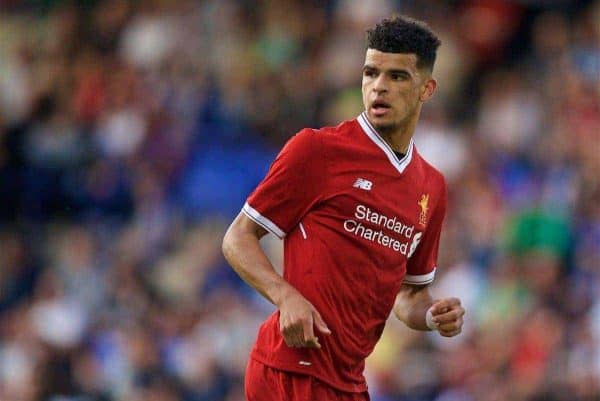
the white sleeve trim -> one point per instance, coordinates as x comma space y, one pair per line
420, 279
263, 221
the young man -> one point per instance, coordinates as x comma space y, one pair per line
361, 214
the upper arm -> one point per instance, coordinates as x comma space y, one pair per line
421, 265
241, 232
412, 292
240, 228
409, 296
244, 225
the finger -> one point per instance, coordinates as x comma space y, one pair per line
313, 343
308, 334
444, 305
452, 326
290, 339
320, 323
450, 333
292, 335
286, 331
450, 316
297, 334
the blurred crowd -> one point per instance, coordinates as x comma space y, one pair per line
132, 131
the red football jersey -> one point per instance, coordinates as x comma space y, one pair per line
356, 222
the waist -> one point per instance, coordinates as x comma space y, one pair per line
339, 364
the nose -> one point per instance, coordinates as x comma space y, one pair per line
380, 84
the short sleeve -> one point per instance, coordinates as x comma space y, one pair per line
292, 186
421, 266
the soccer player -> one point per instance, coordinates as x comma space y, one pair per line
360, 212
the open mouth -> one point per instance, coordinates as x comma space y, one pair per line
380, 107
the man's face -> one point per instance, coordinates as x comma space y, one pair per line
393, 88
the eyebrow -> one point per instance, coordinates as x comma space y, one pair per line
392, 71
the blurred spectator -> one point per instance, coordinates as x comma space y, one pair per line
131, 133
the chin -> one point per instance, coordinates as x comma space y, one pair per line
383, 122
384, 127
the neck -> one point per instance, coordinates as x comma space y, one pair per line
399, 138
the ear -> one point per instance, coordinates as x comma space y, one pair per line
428, 89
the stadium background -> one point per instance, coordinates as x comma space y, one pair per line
131, 133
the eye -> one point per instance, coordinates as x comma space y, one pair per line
398, 76
369, 73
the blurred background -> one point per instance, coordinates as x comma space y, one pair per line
131, 133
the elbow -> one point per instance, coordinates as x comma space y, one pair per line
399, 310
227, 243
242, 235
233, 241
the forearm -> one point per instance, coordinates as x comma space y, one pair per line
241, 248
412, 303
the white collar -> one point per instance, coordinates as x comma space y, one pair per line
399, 164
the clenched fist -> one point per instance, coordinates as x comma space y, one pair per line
446, 316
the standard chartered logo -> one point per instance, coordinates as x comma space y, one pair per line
414, 243
405, 246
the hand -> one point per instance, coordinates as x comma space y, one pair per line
447, 315
296, 319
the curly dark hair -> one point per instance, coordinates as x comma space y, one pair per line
405, 35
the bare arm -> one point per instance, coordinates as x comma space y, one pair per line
242, 250
413, 302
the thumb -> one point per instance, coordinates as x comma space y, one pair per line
320, 324
438, 307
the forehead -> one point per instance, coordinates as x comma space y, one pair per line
387, 61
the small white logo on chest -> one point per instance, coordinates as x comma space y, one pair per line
363, 184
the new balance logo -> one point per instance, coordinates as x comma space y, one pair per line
363, 184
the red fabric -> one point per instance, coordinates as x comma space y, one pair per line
263, 383
350, 218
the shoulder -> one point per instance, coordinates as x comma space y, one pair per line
305, 140
429, 172
432, 177
319, 139
329, 133
306, 147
